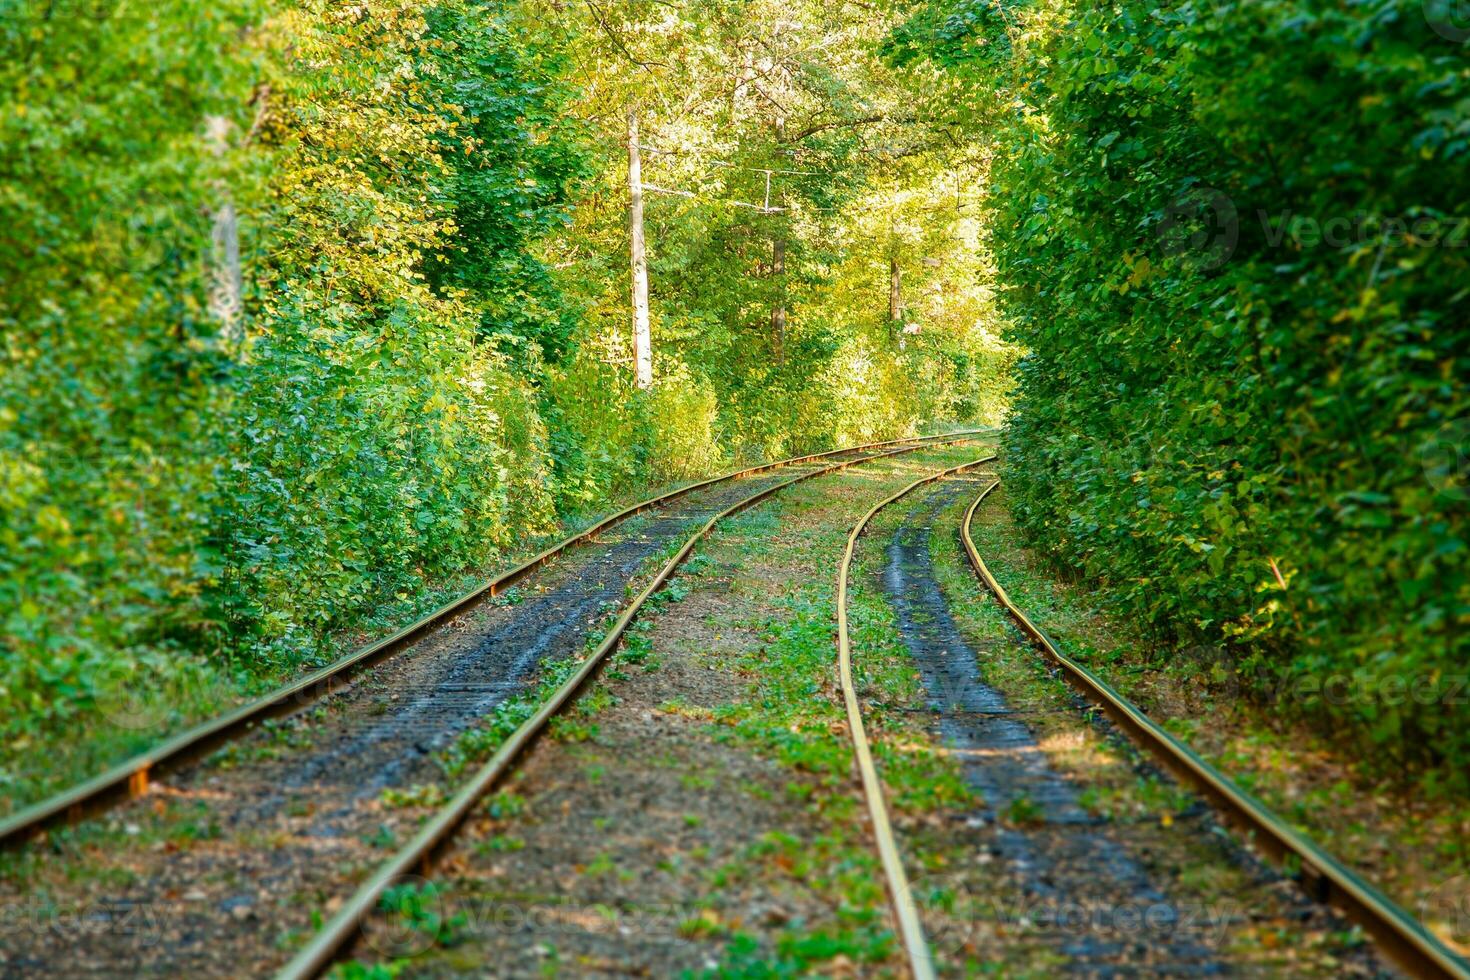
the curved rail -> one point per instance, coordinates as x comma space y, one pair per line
910, 928
1402, 936
130, 777
340, 931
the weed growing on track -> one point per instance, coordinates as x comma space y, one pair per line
793, 713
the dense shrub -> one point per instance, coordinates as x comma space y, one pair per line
109, 360
1248, 432
194, 493
683, 425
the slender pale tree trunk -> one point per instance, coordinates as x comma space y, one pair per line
227, 282
778, 265
778, 308
895, 293
642, 344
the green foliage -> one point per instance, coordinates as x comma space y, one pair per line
799, 954
511, 164
203, 488
109, 362
683, 416
420, 909
195, 498
1248, 431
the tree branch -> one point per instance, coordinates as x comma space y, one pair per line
613, 35
823, 127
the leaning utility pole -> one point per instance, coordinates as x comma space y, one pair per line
642, 345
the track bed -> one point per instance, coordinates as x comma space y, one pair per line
222, 868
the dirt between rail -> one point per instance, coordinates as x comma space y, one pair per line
641, 846
231, 864
1409, 840
1069, 889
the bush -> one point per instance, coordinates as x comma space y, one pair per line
683, 416
1246, 431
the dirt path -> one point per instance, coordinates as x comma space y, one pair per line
221, 870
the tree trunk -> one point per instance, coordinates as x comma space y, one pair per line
642, 343
895, 293
228, 287
778, 309
778, 263
227, 282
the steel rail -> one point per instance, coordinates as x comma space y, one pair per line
417, 854
1323, 877
910, 927
130, 778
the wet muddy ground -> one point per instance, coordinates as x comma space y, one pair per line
223, 868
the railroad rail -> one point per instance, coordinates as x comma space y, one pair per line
416, 856
1418, 951
130, 778
905, 911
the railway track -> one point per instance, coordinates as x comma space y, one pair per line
295, 807
401, 731
338, 934
130, 778
905, 910
1325, 879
